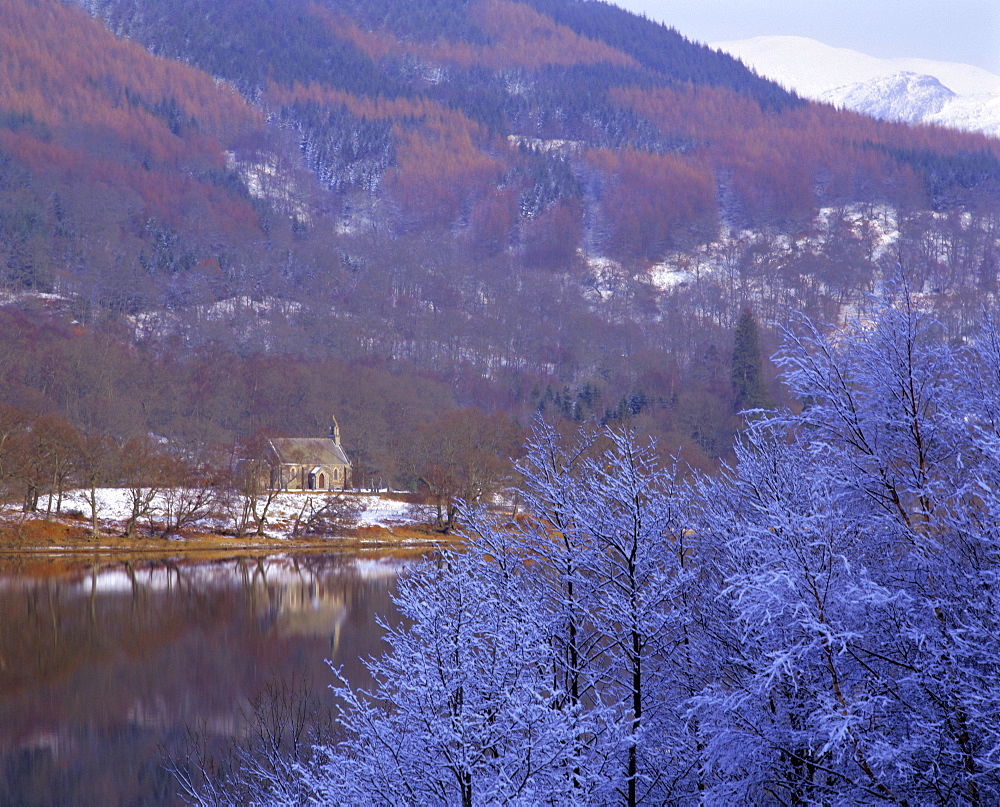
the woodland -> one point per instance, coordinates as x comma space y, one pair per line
814, 624
226, 219
731, 355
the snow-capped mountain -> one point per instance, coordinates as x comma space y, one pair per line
912, 90
907, 96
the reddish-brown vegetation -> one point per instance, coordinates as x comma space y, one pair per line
518, 36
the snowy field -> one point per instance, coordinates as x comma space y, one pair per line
113, 506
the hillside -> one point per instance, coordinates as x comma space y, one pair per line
259, 212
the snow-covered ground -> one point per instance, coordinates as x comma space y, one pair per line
711, 260
113, 505
246, 316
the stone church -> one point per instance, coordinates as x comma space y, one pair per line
310, 463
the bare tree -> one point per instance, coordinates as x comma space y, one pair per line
245, 498
144, 471
96, 465
327, 515
191, 495
283, 724
463, 457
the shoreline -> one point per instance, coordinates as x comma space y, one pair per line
30, 541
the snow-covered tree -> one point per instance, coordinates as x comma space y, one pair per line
612, 583
819, 623
463, 710
860, 558
538, 665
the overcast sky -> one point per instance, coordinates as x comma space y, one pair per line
946, 30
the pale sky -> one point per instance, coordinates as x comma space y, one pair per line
965, 31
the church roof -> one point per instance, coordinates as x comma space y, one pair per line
309, 451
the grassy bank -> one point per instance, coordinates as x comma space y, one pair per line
27, 540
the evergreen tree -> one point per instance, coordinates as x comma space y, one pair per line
749, 391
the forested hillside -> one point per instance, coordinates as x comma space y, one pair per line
240, 215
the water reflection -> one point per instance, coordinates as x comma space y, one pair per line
99, 666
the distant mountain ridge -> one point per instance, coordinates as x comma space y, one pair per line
909, 97
919, 99
911, 90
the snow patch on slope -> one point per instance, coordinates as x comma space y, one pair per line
718, 258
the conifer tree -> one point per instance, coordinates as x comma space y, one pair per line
747, 376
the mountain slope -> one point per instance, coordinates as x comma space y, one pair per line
547, 206
106, 153
557, 71
544, 133
919, 99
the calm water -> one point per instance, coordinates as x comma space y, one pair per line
103, 666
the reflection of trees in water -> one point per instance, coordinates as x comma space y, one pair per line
110, 651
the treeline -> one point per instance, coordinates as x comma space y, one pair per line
79, 402
211, 396
436, 333
458, 458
